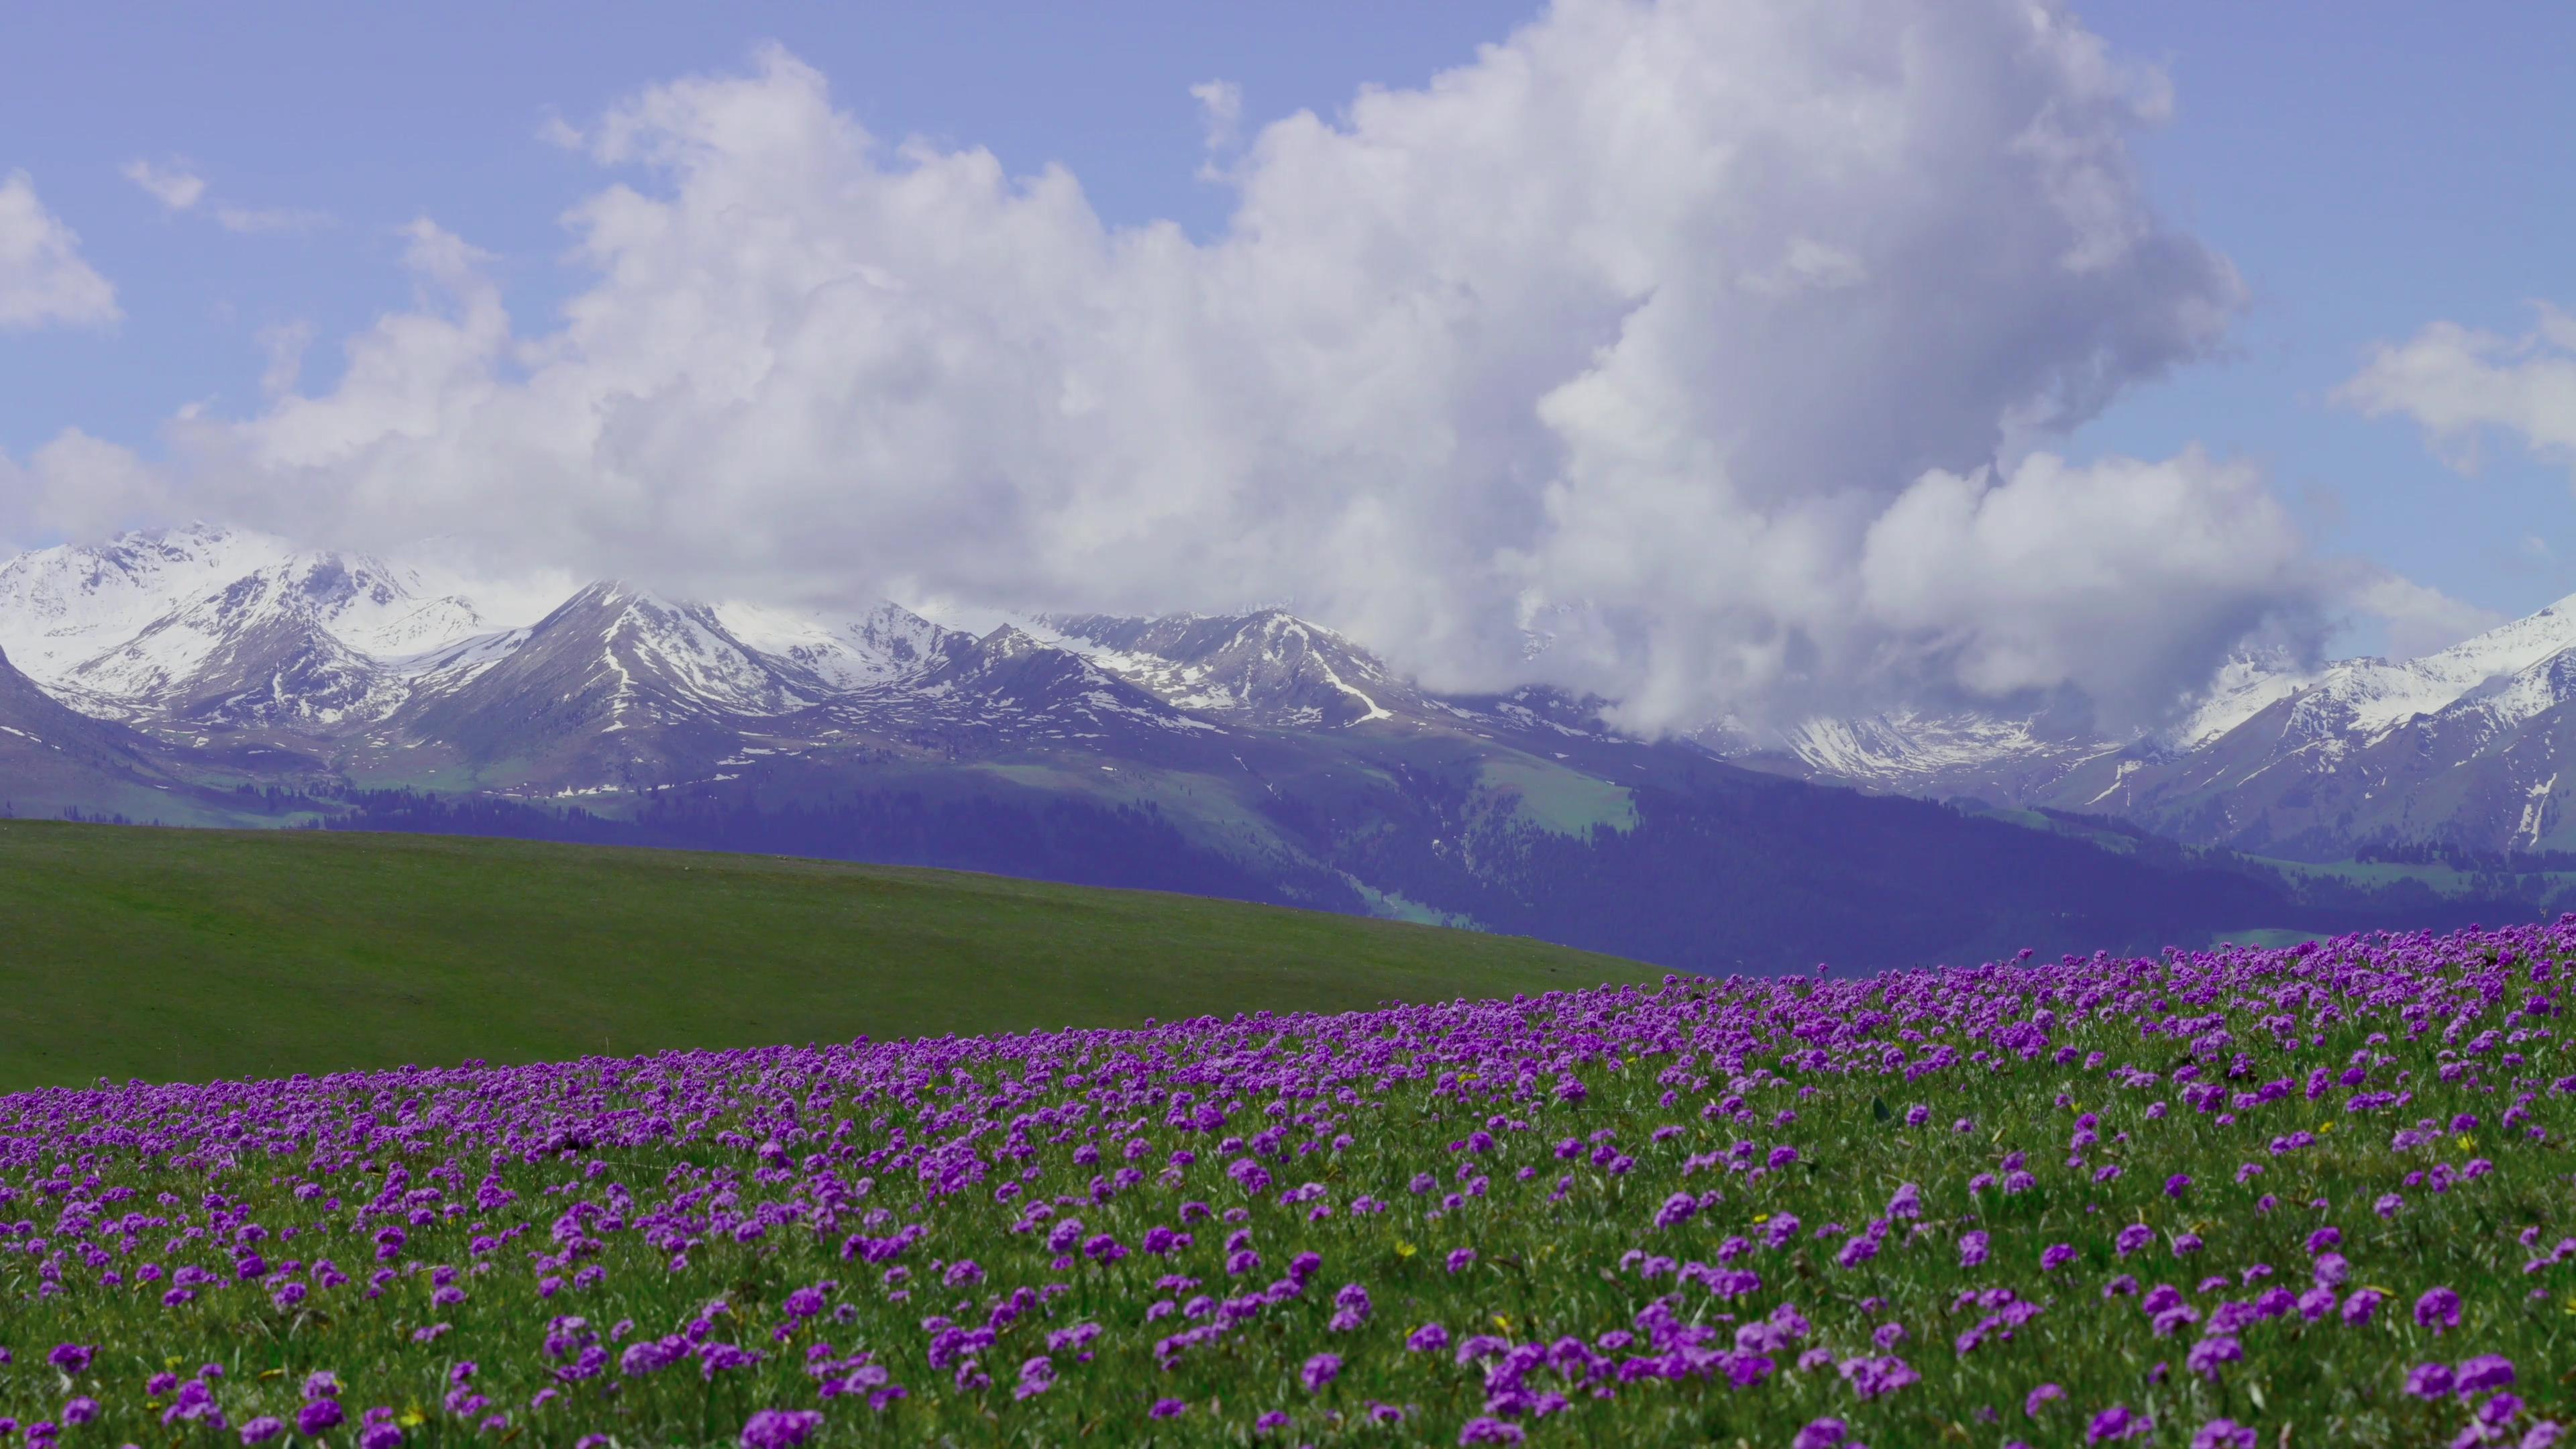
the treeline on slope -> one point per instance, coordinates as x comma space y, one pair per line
1730, 872
1041, 837
2465, 859
1778, 876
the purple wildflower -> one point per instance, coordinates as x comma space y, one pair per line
2438, 1309
2118, 1422
1822, 1434
780, 1428
2429, 1380
2486, 1371
1320, 1370
2225, 1434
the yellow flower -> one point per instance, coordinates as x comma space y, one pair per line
1502, 1323
1761, 1217
2324, 1128
412, 1418
1405, 1250
2468, 1143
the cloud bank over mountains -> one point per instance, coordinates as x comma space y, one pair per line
1720, 345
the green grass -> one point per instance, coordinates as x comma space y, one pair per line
189, 955
1558, 800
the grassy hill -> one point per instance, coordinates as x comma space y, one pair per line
171, 954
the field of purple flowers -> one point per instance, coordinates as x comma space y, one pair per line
2318, 1196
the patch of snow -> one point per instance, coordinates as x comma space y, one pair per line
2535, 812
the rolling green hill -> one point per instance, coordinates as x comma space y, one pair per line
170, 954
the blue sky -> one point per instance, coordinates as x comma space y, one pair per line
2369, 170
375, 116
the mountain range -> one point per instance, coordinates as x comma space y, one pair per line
213, 676
2459, 750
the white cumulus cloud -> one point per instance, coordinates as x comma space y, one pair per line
1220, 113
2459, 383
2419, 620
178, 188
79, 486
1713, 335
43, 280
2116, 577
174, 186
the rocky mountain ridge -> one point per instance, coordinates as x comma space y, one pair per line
211, 676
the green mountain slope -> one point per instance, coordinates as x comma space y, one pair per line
172, 954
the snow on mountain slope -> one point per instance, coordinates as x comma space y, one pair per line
2507, 702
679, 654
1903, 742
306, 631
454, 663
197, 631
221, 624
1269, 664
2245, 686
1011, 676
2367, 696
614, 676
887, 645
1997, 756
2318, 716
64, 605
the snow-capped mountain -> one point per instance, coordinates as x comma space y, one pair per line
253, 659
1932, 754
1269, 666
248, 653
2365, 697
221, 627
887, 645
61, 607
2460, 747
2000, 754
210, 676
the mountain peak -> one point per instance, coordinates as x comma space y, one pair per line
1269, 664
1008, 641
607, 594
